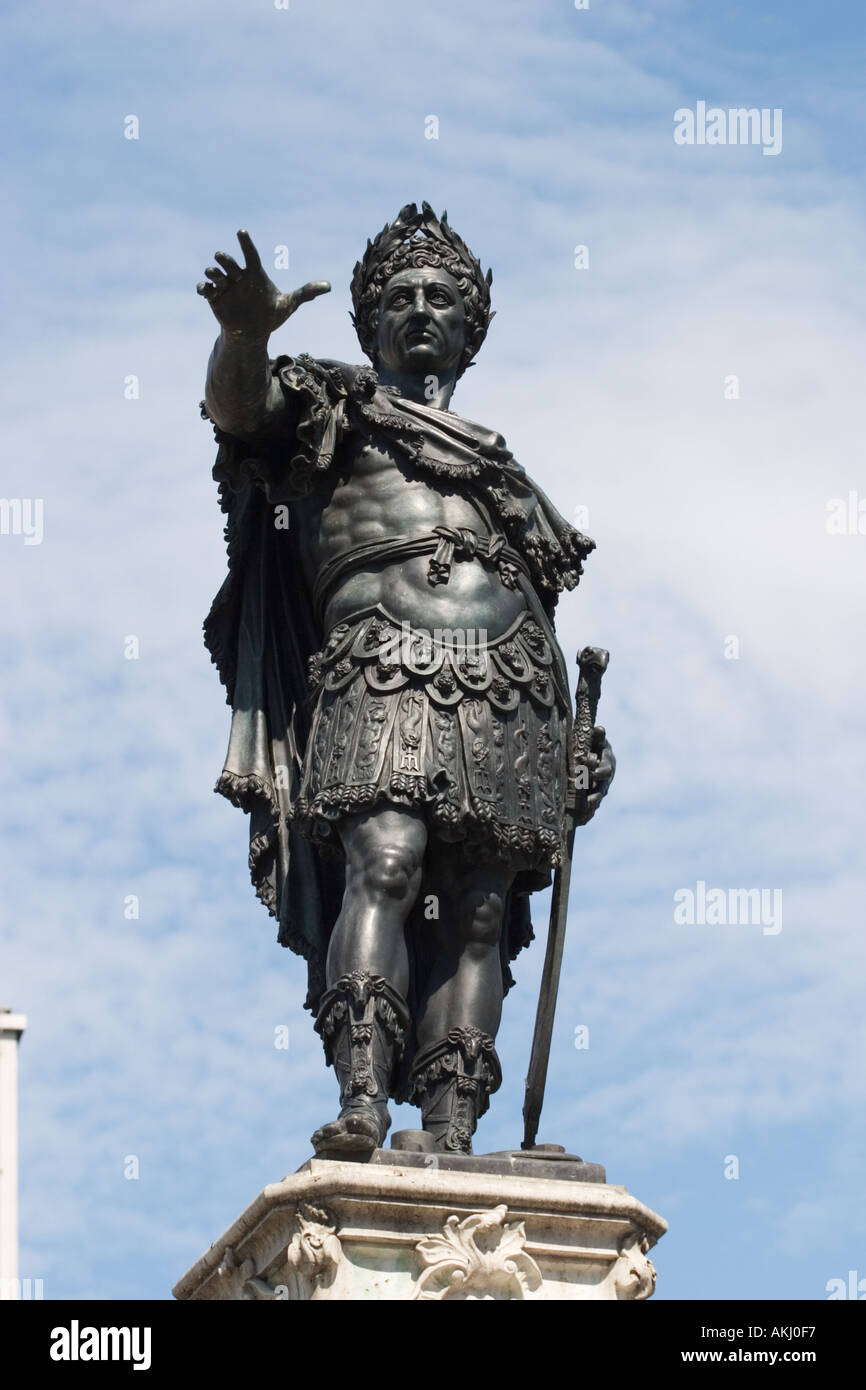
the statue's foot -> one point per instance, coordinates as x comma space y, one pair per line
356, 1131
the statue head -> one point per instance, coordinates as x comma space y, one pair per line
421, 299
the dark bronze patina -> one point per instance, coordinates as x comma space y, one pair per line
402, 736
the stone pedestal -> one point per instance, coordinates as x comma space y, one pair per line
419, 1226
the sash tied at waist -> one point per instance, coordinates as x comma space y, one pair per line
444, 544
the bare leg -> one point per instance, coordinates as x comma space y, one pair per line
384, 856
456, 1067
465, 985
363, 1017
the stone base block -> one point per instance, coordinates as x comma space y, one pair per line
420, 1231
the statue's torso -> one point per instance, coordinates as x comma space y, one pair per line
379, 497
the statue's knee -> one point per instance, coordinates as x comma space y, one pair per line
391, 872
482, 919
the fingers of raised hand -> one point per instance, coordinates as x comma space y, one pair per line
229, 265
311, 290
219, 281
251, 255
290, 302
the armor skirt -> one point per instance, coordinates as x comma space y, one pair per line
471, 731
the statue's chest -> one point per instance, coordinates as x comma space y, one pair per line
377, 495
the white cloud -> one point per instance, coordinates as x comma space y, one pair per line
155, 1036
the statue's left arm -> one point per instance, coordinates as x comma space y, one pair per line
556, 552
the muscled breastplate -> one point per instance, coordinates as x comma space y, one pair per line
385, 535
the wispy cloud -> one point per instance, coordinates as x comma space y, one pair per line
154, 1036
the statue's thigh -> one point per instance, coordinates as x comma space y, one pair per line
471, 897
386, 836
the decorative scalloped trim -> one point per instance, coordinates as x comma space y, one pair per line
540, 848
241, 788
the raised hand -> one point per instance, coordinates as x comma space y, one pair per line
245, 301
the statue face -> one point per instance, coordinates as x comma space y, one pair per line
422, 325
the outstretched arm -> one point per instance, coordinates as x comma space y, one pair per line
241, 395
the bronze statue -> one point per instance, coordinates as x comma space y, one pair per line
401, 712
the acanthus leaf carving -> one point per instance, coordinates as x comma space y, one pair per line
481, 1257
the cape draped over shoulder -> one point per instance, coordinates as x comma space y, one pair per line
261, 630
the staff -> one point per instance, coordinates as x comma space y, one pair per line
592, 663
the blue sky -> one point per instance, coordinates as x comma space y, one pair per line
154, 1037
